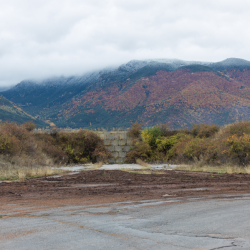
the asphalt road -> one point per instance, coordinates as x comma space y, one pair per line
202, 223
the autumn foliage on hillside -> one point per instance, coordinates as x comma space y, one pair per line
179, 98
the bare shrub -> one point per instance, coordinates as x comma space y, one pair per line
204, 130
88, 145
14, 139
164, 129
48, 145
29, 126
80, 147
141, 151
238, 128
135, 130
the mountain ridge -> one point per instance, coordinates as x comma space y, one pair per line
110, 94
168, 93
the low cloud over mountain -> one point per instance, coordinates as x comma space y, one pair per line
176, 92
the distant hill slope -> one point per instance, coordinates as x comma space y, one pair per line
231, 63
180, 98
43, 97
10, 112
176, 92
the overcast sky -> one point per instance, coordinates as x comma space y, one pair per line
43, 38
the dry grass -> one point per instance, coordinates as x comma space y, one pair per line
15, 173
129, 170
97, 165
143, 172
215, 169
159, 172
151, 172
146, 171
24, 167
143, 164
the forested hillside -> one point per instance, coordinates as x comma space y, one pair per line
180, 98
10, 112
176, 92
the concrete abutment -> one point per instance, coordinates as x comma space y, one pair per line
118, 143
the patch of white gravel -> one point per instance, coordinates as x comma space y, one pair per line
76, 168
119, 167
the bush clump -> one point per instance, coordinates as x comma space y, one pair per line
141, 151
18, 142
238, 128
30, 126
80, 147
15, 139
167, 144
208, 143
204, 130
135, 130
239, 148
150, 135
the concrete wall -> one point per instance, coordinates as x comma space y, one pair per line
118, 143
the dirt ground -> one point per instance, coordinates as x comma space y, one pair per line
114, 209
105, 186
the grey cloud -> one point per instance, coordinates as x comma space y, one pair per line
45, 38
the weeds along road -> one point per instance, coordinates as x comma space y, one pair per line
121, 210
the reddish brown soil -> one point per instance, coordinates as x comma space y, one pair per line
100, 186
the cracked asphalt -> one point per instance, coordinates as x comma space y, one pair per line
221, 222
